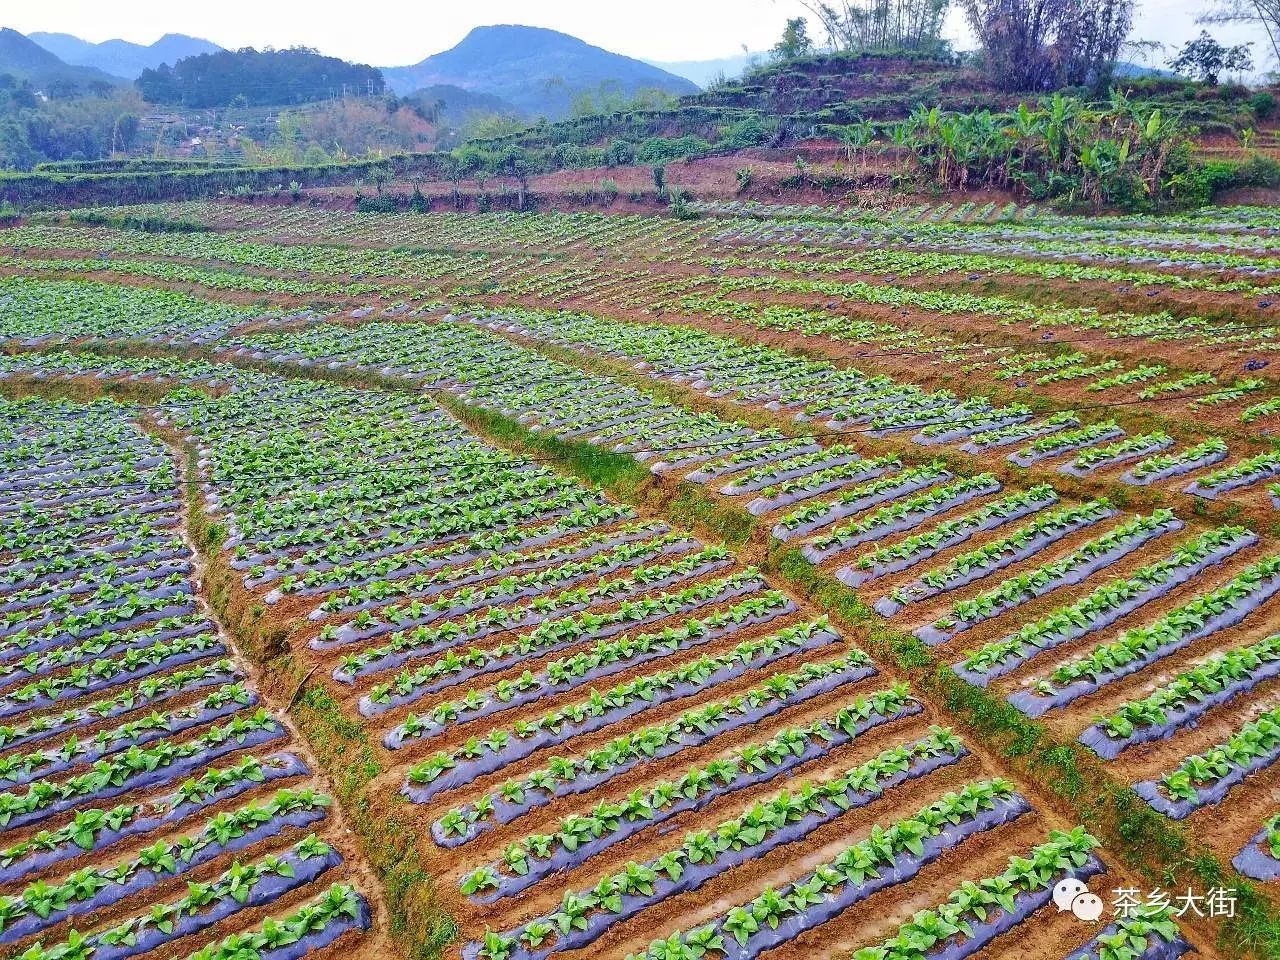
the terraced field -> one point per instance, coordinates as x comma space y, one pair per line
777, 582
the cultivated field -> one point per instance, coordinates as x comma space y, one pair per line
787, 581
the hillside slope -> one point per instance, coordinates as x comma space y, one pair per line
457, 103
122, 58
536, 69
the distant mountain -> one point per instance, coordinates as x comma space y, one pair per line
536, 69
456, 103
64, 46
27, 60
1127, 69
120, 57
704, 72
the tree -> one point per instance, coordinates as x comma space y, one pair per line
795, 41
1264, 13
474, 163
882, 24
84, 127
62, 88
455, 174
432, 111
1204, 58
490, 126
1145, 50
124, 132
1090, 39
289, 129
1046, 44
619, 153
520, 165
315, 156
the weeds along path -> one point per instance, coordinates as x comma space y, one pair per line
571, 716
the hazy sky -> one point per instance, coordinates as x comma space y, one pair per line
395, 32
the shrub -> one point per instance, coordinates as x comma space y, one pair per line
1126, 154
1257, 171
619, 153
385, 203
1263, 104
680, 208
660, 178
147, 224
1202, 182
661, 150
748, 132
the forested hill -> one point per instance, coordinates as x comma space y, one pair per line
257, 78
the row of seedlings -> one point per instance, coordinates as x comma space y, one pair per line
736, 656
568, 693
150, 801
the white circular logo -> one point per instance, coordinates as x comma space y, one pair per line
1072, 894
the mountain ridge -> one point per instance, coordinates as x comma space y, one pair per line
123, 58
530, 67
25, 59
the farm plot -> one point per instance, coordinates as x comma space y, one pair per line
686, 267
609, 729
1119, 598
151, 802
570, 405
875, 407
602, 723
1161, 664
917, 327
1028, 576
845, 399
1024, 249
36, 313
1152, 255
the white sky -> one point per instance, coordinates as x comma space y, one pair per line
396, 32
